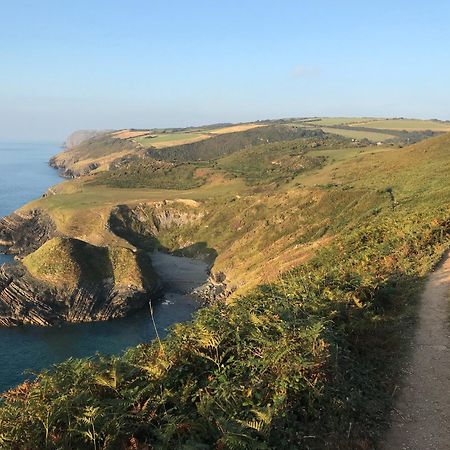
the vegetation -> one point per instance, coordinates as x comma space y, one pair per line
267, 163
64, 261
300, 363
306, 360
149, 173
168, 139
356, 133
407, 124
69, 263
109, 150
224, 144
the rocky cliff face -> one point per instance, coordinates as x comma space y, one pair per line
142, 224
107, 283
80, 136
23, 233
25, 300
61, 279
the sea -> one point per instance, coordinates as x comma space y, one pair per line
25, 350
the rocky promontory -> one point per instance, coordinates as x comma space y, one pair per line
64, 279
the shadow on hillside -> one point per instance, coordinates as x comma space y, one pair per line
141, 234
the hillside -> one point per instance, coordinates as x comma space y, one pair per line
322, 242
95, 151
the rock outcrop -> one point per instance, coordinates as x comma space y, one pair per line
215, 289
142, 224
62, 279
25, 300
22, 233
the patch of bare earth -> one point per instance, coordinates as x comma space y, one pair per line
421, 417
236, 128
128, 134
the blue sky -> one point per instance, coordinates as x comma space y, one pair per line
66, 65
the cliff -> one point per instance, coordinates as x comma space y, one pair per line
80, 136
22, 233
27, 300
70, 280
100, 152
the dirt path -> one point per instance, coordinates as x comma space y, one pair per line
421, 418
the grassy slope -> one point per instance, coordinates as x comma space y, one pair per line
70, 263
65, 262
405, 124
109, 149
357, 134
101, 151
260, 231
304, 362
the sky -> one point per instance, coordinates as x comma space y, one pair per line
67, 65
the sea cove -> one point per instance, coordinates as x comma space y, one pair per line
26, 175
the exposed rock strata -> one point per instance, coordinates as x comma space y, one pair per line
25, 300
23, 233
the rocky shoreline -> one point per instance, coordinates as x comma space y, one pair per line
24, 299
27, 300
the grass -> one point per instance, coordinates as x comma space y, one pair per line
70, 263
309, 359
67, 262
327, 121
405, 124
203, 143
269, 163
290, 365
185, 137
170, 139
149, 173
336, 161
235, 128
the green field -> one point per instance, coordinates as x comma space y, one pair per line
405, 124
331, 121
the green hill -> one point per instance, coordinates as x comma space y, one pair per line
70, 263
327, 242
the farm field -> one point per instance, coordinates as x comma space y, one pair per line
331, 121
405, 124
170, 139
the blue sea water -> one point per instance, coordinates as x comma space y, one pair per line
25, 175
